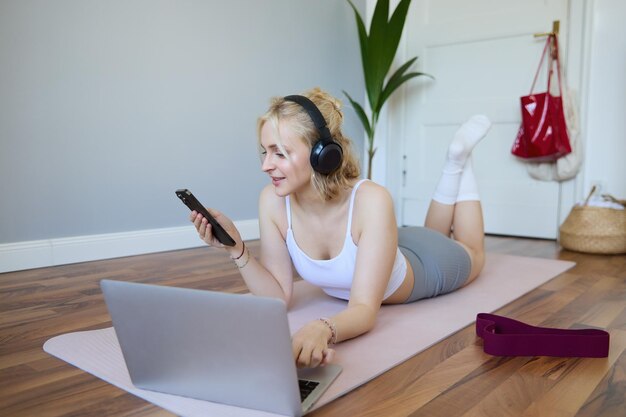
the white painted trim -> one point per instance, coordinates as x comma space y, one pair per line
586, 9
577, 64
51, 252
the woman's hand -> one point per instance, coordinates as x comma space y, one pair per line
310, 345
205, 231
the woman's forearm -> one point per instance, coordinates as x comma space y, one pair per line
258, 279
354, 321
261, 282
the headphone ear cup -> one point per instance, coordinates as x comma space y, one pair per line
326, 157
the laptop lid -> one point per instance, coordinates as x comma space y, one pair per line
226, 348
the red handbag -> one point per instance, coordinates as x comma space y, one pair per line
542, 135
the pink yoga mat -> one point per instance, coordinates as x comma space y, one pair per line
401, 331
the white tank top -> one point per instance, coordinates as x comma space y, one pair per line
334, 276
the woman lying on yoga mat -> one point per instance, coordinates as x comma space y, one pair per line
340, 232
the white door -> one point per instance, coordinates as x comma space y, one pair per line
483, 56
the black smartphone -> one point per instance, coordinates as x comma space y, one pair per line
192, 202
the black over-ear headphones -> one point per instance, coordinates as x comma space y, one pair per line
326, 154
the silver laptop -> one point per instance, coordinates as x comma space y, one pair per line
226, 348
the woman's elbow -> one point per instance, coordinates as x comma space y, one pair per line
368, 316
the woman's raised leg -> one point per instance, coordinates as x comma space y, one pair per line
455, 208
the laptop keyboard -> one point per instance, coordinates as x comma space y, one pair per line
306, 387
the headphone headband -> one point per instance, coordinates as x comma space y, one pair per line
315, 114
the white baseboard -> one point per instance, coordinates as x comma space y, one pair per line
50, 252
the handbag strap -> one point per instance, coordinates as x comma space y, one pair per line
609, 197
557, 58
593, 190
543, 55
503, 336
554, 56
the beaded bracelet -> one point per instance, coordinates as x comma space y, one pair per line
333, 330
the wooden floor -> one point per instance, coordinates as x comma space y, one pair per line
452, 378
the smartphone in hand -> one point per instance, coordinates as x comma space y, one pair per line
192, 202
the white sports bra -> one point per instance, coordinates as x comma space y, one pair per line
334, 276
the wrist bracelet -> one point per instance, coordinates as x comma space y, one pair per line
333, 330
241, 263
242, 251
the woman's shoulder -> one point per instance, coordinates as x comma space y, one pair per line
371, 193
373, 208
372, 200
269, 200
272, 208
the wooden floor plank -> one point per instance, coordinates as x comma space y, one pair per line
451, 378
567, 396
609, 397
393, 390
522, 387
436, 381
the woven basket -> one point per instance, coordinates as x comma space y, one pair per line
595, 229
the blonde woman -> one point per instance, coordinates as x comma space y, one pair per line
340, 232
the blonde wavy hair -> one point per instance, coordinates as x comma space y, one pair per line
328, 186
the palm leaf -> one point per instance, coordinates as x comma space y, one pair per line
396, 80
362, 115
377, 44
396, 23
392, 86
363, 40
378, 49
393, 34
400, 71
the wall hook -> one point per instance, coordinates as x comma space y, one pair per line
555, 30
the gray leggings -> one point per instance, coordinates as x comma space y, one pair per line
440, 265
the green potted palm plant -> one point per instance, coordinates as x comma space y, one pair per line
378, 48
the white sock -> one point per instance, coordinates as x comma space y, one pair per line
449, 182
468, 135
468, 189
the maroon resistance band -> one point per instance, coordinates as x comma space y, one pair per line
507, 337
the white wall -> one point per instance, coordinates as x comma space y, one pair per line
605, 108
108, 106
